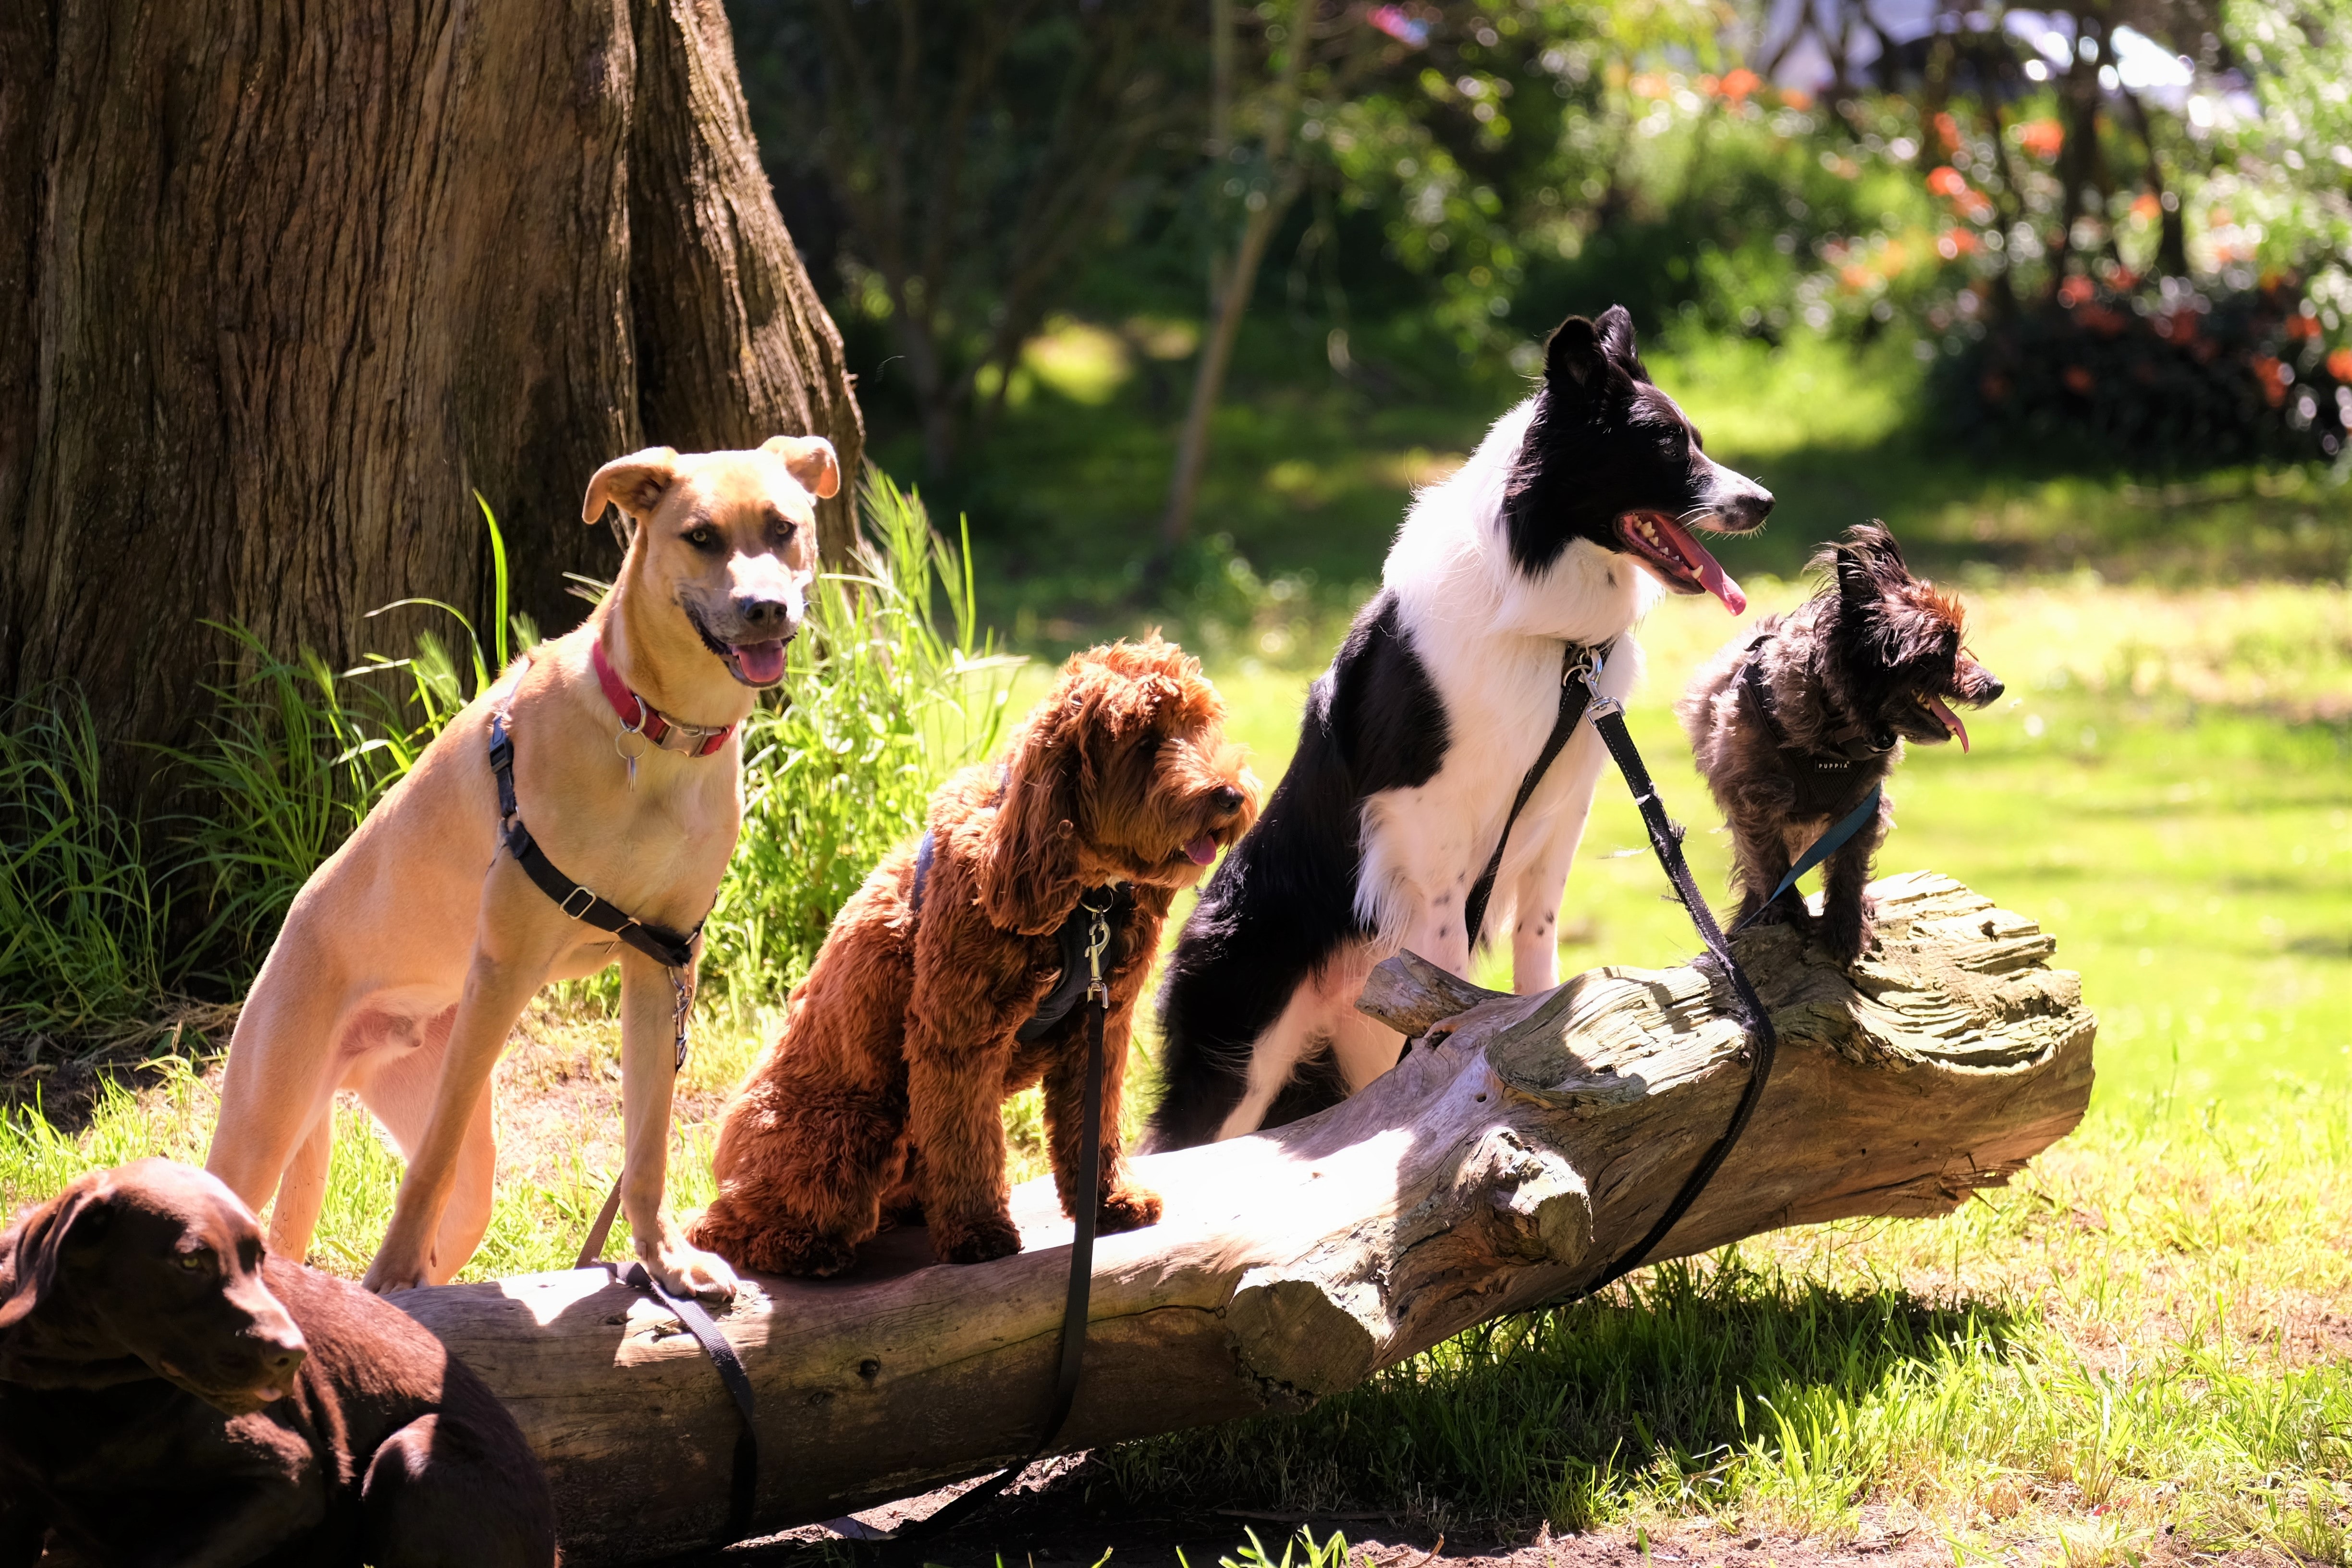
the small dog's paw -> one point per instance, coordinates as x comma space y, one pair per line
685, 1271
984, 1242
1128, 1208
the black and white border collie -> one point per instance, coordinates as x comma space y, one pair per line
1415, 741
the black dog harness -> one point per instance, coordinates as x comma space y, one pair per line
1852, 741
674, 952
1580, 693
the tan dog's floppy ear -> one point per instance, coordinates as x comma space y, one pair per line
1029, 868
810, 459
633, 483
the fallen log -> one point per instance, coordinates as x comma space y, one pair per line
1509, 1158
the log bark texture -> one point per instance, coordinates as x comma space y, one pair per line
281, 286
1503, 1164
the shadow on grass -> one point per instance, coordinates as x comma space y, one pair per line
1555, 1413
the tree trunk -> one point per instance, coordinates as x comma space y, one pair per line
1499, 1166
282, 286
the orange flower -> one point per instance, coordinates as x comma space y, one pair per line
1740, 82
2042, 138
1855, 275
1796, 98
2146, 206
2074, 290
1948, 132
2339, 365
1652, 84
2078, 379
1955, 243
2274, 378
1947, 181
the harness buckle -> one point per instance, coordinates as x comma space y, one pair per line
588, 896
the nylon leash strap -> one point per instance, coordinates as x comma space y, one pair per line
1077, 1301
1666, 842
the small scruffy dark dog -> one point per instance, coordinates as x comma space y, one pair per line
1798, 718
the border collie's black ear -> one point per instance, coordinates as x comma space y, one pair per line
1595, 359
1616, 329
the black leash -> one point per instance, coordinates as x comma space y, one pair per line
1578, 666
1763, 1040
1096, 918
1580, 694
675, 952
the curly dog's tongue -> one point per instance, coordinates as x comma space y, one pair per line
1202, 850
761, 662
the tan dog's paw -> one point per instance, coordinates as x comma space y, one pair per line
981, 1243
1128, 1208
388, 1275
685, 1271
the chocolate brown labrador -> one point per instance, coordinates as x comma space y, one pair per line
172, 1393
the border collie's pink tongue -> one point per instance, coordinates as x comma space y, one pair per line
1951, 720
761, 662
1202, 850
1711, 577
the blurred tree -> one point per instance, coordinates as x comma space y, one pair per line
973, 149
2298, 160
278, 292
1464, 124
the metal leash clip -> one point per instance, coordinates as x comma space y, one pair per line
685, 1005
1097, 943
1602, 706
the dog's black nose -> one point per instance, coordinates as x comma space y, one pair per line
763, 615
1229, 798
1993, 689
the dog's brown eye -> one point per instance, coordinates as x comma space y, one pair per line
702, 538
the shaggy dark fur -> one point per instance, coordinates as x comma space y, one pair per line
168, 1394
882, 1092
1872, 660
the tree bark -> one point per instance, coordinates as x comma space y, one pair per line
1500, 1165
282, 286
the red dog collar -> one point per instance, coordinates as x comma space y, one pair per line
645, 719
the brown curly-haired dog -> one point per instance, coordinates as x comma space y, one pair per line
882, 1092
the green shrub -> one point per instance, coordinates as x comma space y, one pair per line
883, 700
82, 913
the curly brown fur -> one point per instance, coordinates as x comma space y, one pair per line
882, 1092
168, 1392
1848, 676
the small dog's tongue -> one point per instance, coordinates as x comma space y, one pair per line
761, 662
1711, 577
1951, 720
1202, 850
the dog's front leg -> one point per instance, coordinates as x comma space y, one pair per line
648, 1077
954, 1089
1846, 927
516, 937
1120, 1204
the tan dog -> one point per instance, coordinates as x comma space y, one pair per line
409, 954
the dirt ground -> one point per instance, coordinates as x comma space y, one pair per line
1070, 1515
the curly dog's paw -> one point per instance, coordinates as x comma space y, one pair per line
983, 1241
771, 1248
1128, 1208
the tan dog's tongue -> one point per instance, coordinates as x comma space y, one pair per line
762, 662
